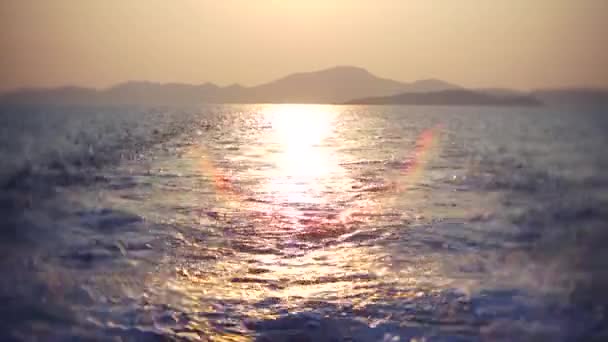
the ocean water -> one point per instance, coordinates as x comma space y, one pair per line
304, 223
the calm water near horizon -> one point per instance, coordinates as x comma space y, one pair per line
304, 222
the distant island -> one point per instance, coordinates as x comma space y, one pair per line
337, 85
461, 97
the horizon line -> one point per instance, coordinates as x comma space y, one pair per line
236, 84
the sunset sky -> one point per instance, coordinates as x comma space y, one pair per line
477, 43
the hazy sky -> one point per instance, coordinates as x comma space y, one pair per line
514, 43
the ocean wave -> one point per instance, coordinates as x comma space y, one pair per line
66, 145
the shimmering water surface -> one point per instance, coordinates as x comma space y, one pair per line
304, 223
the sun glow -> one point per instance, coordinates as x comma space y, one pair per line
306, 181
298, 131
299, 125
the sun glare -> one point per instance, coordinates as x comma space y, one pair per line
302, 163
298, 131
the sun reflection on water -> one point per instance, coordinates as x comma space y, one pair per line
305, 181
288, 202
304, 167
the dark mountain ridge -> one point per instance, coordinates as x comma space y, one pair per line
341, 84
334, 85
461, 97
573, 96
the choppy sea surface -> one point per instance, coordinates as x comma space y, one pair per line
304, 223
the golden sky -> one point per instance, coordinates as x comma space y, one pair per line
477, 43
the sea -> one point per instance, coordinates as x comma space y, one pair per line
288, 222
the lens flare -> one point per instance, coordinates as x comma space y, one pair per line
425, 148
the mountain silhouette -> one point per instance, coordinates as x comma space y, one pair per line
334, 85
341, 84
